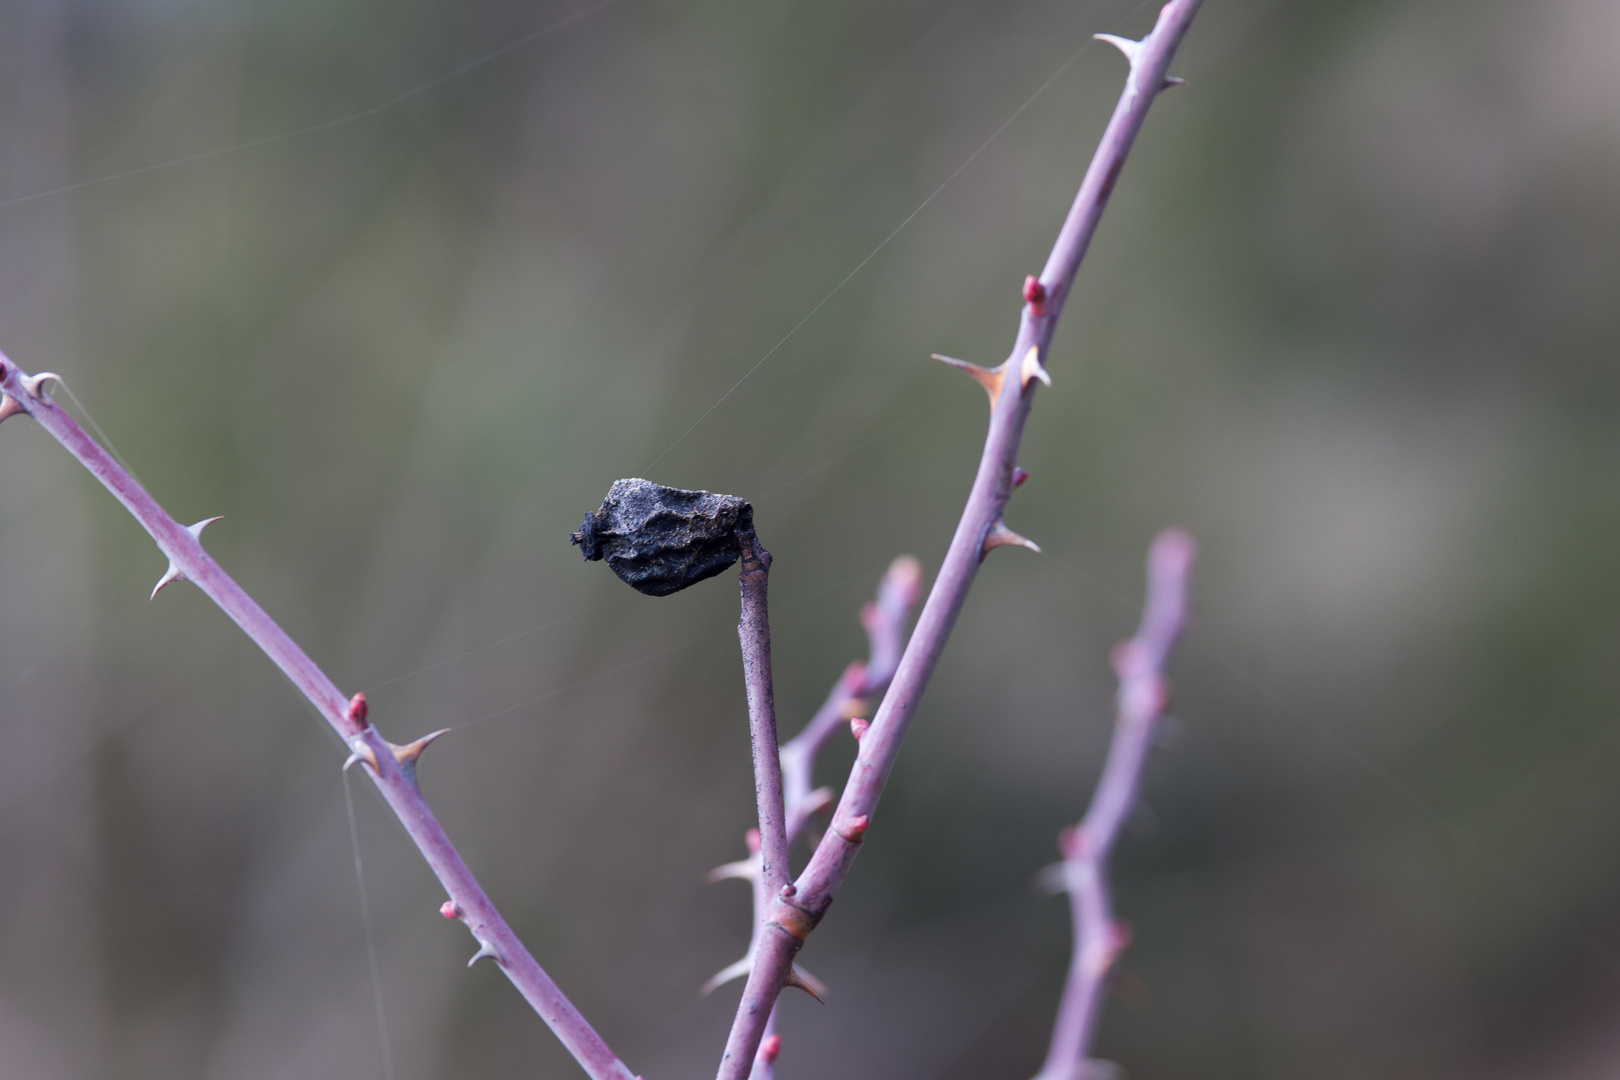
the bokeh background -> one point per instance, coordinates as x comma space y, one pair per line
401, 289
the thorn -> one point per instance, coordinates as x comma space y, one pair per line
35, 384
989, 378
359, 709
486, 947
361, 752
9, 407
1019, 477
406, 755
1001, 536
1125, 45
450, 910
803, 980
1035, 293
854, 830
1174, 80
770, 1048
1051, 880
742, 870
857, 727
173, 574
1031, 369
818, 801
727, 973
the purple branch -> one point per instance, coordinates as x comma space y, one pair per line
794, 915
754, 632
392, 768
885, 622
1143, 694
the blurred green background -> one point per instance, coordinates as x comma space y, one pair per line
1352, 319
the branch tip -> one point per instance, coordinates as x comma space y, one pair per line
989, 378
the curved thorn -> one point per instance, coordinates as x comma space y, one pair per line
803, 980
486, 947
171, 575
1123, 44
360, 751
1174, 80
989, 378
406, 755
728, 973
35, 384
742, 870
1001, 536
196, 528
1031, 369
9, 407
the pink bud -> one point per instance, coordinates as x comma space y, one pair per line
1019, 476
856, 828
1034, 291
358, 710
770, 1048
751, 838
449, 910
857, 726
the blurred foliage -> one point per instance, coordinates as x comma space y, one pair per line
400, 290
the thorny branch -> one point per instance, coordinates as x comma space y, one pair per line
392, 768
800, 905
860, 686
1143, 694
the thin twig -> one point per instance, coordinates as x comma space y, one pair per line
754, 633
794, 916
391, 768
1143, 695
860, 686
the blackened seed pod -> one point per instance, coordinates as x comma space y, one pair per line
661, 539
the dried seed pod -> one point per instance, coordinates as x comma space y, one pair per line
661, 539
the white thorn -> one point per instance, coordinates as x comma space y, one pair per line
1032, 369
1051, 880
486, 947
360, 751
34, 384
172, 574
743, 870
727, 973
9, 406
1123, 44
1174, 80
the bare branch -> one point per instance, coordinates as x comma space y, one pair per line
793, 916
391, 768
1143, 695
